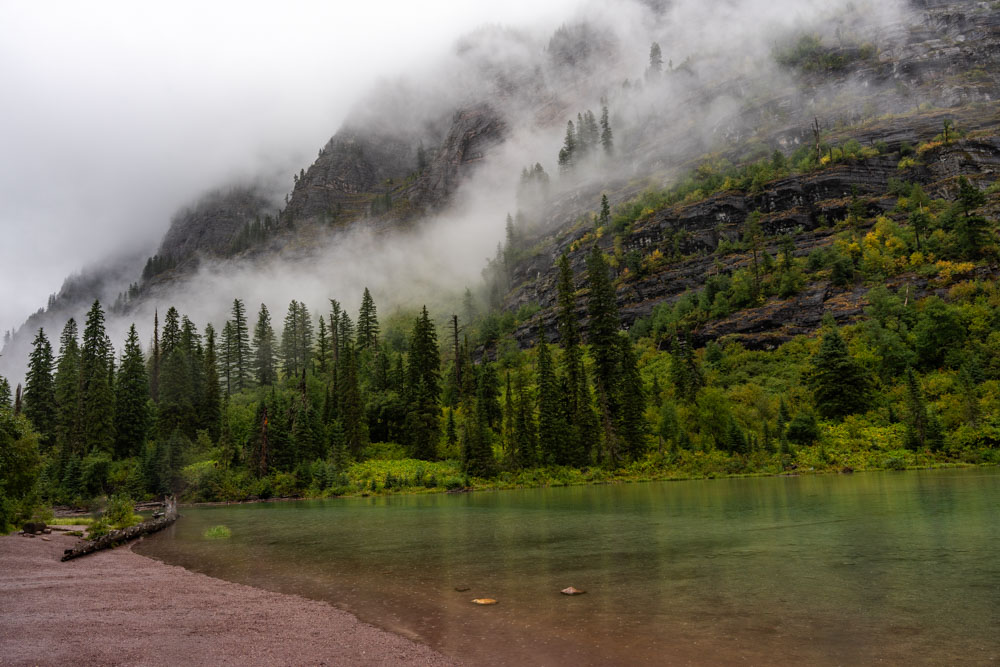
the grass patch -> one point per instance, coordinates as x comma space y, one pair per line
218, 533
71, 521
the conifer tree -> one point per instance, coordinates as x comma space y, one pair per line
96, 393
211, 406
604, 217
552, 428
265, 363
368, 328
321, 356
607, 139
350, 405
39, 390
292, 362
176, 411
525, 431
131, 399
171, 332
227, 357
567, 152
241, 347
604, 324
655, 61
684, 370
4, 393
155, 359
632, 423
67, 388
423, 388
477, 454
840, 386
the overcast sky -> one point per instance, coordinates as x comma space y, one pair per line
114, 114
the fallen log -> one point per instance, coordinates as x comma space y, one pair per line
117, 537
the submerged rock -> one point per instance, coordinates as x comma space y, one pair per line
572, 591
484, 601
461, 589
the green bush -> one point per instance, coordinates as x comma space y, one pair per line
217, 533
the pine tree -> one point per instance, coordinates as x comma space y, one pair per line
684, 370
67, 388
350, 404
552, 428
265, 363
39, 390
567, 153
171, 332
211, 406
5, 403
227, 356
241, 373
155, 359
321, 357
132, 416
525, 431
96, 393
655, 61
607, 140
632, 423
604, 324
423, 388
292, 363
840, 387
604, 217
478, 451
368, 328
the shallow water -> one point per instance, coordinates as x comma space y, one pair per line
832, 569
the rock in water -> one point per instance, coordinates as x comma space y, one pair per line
461, 589
485, 601
572, 591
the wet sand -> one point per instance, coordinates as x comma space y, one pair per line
119, 608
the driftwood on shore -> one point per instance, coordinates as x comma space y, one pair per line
116, 537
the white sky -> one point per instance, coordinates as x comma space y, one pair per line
115, 113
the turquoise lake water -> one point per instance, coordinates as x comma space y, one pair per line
827, 569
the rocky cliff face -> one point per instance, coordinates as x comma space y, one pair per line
209, 226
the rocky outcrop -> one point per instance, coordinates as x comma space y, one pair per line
473, 133
210, 225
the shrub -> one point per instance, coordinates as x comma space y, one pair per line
217, 533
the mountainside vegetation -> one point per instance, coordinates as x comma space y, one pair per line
811, 285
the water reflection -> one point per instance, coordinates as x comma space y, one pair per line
825, 569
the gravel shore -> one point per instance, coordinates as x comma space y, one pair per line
119, 608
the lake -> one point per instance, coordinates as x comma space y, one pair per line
826, 569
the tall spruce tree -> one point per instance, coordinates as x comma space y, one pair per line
211, 405
5, 400
604, 325
67, 388
915, 436
321, 355
97, 397
368, 328
132, 416
607, 138
241, 351
552, 428
632, 422
155, 359
265, 362
840, 386
423, 388
39, 390
227, 356
477, 454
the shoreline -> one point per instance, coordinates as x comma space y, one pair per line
118, 607
411, 491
